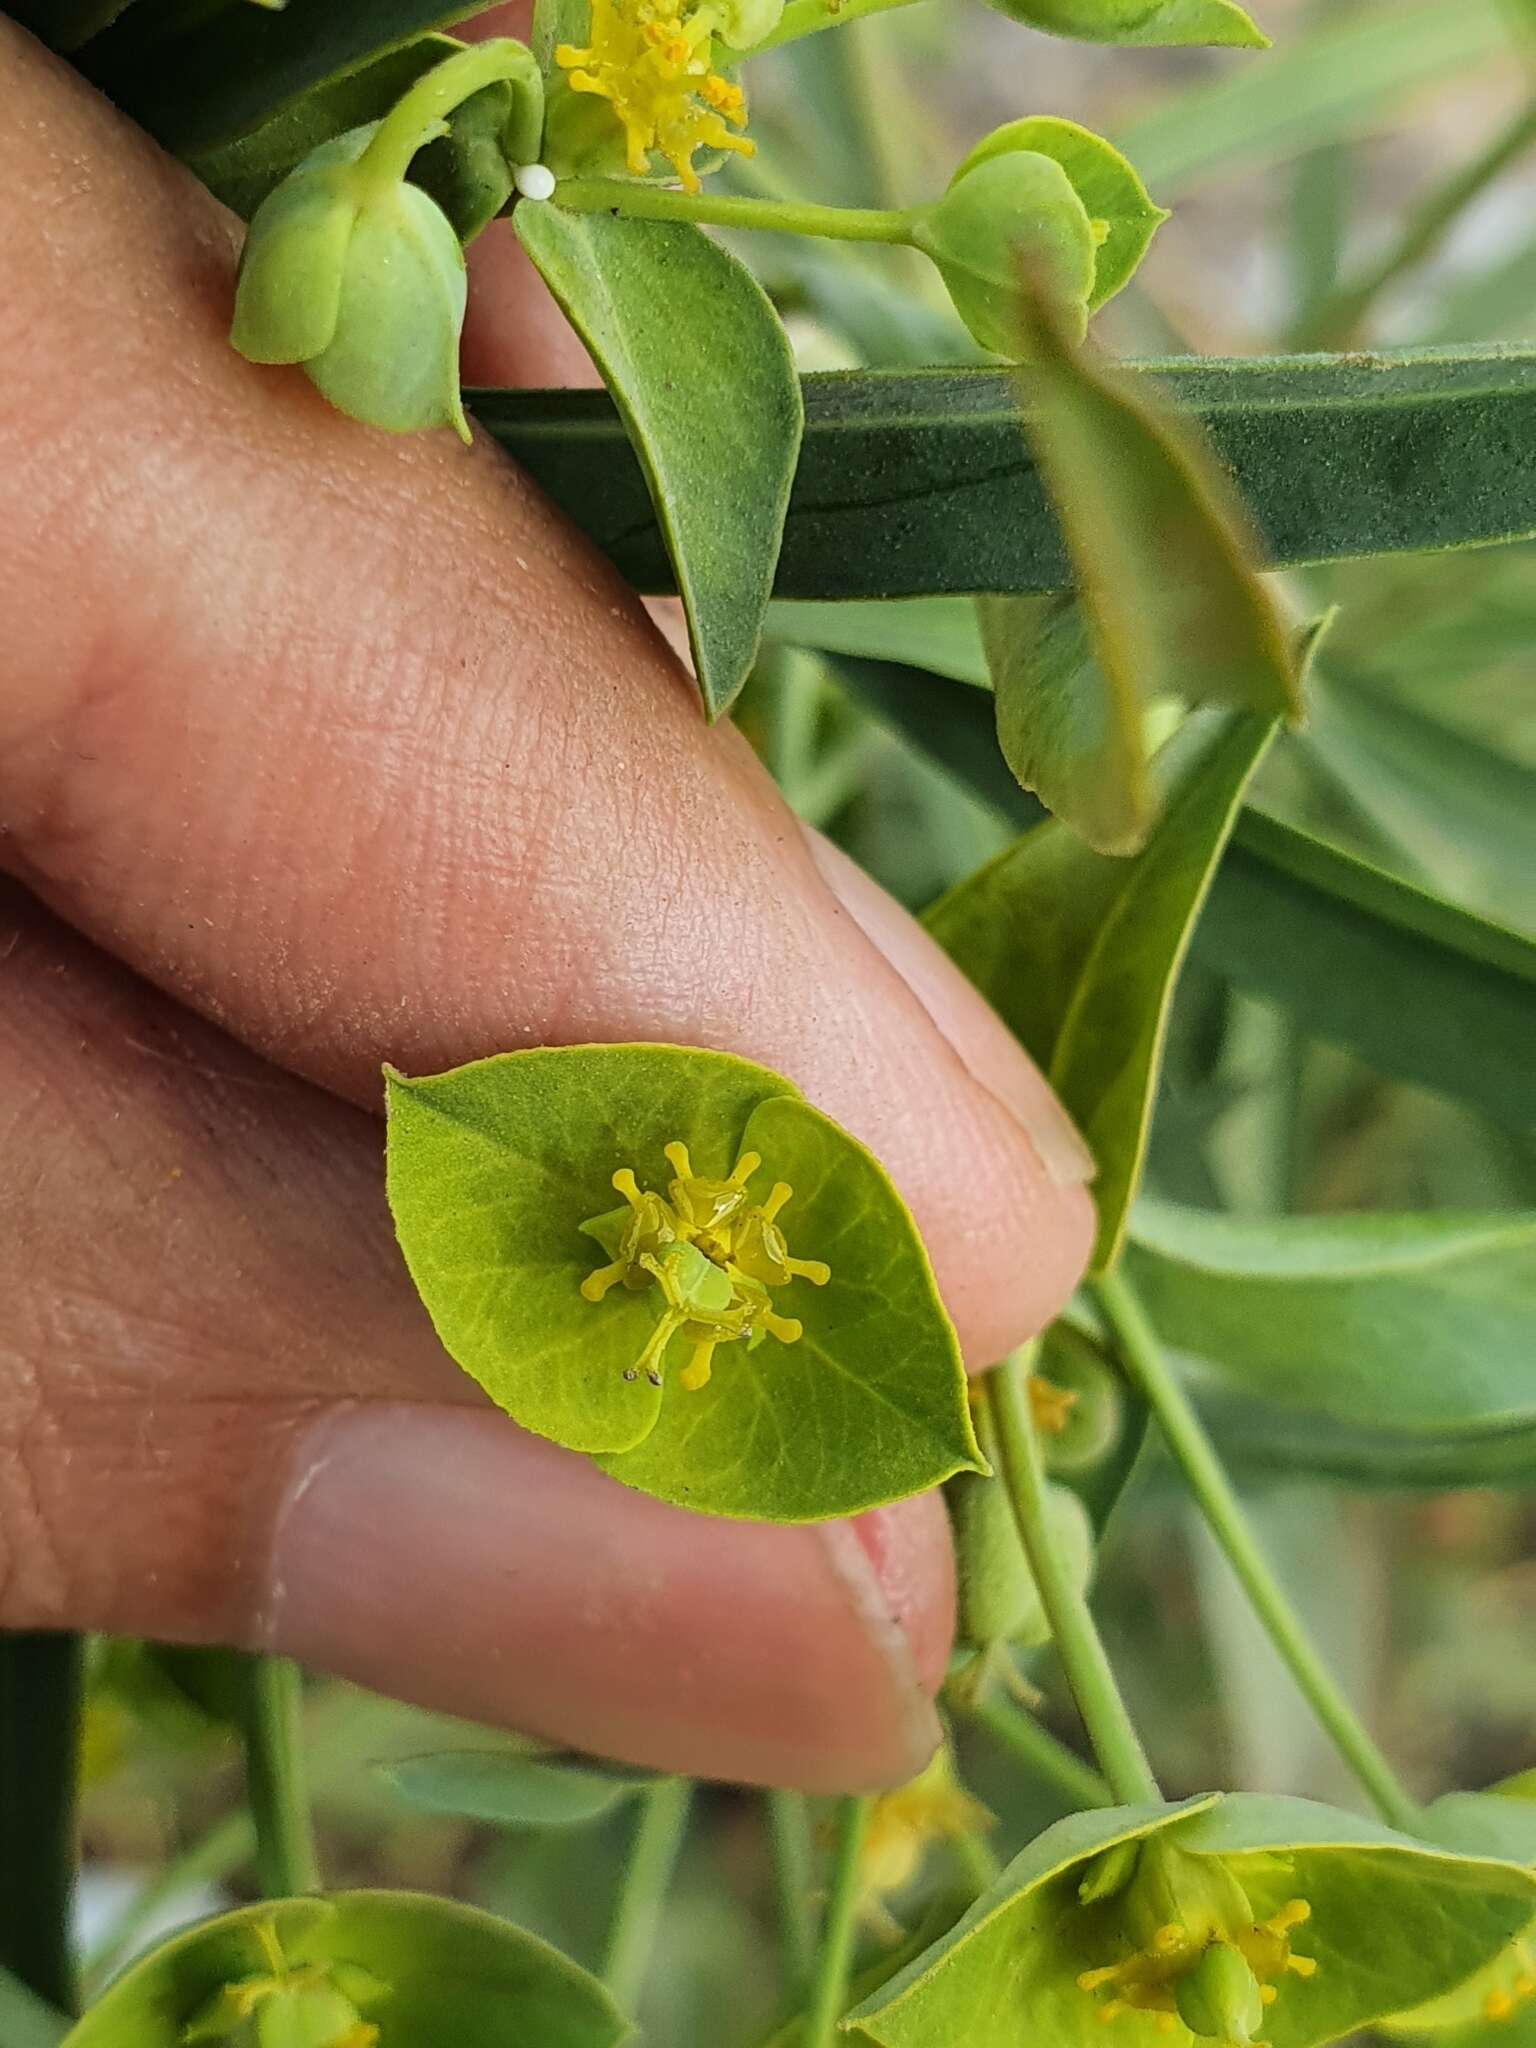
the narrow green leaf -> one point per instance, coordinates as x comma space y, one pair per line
938, 634
1388, 1916
1263, 1438
501, 1179
695, 357
1322, 87
916, 483
241, 173
26, 2021
65, 24
41, 1682
1140, 22
1419, 987
434, 1971
1080, 953
213, 77
512, 1791
1426, 1318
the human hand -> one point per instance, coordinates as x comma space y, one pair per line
319, 749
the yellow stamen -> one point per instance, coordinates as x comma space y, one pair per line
1498, 2005
651, 60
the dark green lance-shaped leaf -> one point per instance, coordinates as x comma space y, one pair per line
1265, 1439
1170, 606
244, 171
1339, 1917
66, 24
513, 1791
501, 1178
914, 483
1419, 987
1139, 21
432, 1971
694, 355
1080, 954
1426, 1318
202, 78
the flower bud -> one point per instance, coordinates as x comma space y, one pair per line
360, 279
1016, 208
1219, 1999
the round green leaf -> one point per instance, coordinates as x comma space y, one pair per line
434, 1971
500, 1176
1139, 21
512, 1791
1102, 178
1388, 1916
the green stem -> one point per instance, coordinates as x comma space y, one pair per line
1142, 1357
41, 1688
723, 210
421, 113
978, 1860
1078, 1644
790, 1832
809, 17
1036, 1747
652, 1857
1335, 322
834, 1960
274, 1774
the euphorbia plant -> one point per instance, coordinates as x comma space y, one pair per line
668, 1260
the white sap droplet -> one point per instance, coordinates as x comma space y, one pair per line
534, 181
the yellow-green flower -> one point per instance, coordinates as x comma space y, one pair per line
903, 1826
652, 60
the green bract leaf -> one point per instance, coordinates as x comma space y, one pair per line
997, 203
1080, 954
699, 366
433, 1971
1365, 1913
914, 483
501, 1178
512, 1791
1170, 606
1114, 196
1427, 1318
1139, 21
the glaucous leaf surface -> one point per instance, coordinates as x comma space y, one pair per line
494, 1169
696, 360
1423, 1318
1080, 953
1386, 1913
445, 1973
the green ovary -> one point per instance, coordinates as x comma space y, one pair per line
713, 1254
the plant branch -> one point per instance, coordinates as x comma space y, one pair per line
421, 113
726, 210
790, 1832
1142, 1357
653, 1856
829, 1984
1078, 1644
274, 1772
1337, 319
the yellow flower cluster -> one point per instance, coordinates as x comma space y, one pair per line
651, 59
903, 1825
1148, 1981
714, 1253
